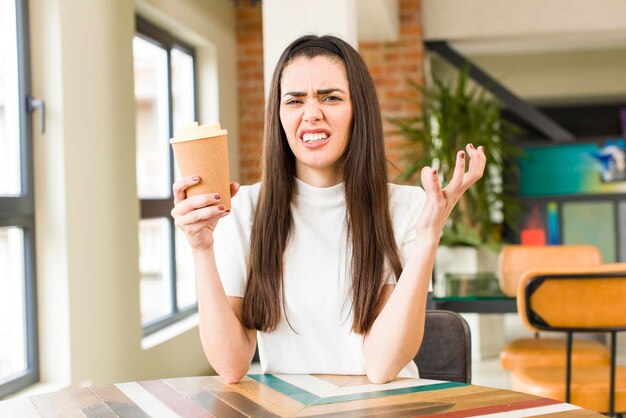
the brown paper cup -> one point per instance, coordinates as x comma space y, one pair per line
203, 151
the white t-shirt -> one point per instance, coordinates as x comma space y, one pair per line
316, 283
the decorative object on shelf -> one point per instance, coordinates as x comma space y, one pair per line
252, 2
453, 116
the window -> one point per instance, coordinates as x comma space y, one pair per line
164, 100
18, 329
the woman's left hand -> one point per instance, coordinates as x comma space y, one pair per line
441, 201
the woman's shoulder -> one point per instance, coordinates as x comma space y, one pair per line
405, 205
247, 195
242, 205
404, 192
405, 200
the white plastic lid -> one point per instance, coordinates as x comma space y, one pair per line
192, 131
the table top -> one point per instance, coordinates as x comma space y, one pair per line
264, 395
467, 293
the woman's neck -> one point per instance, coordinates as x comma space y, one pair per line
318, 178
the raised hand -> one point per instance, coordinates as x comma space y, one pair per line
441, 201
197, 216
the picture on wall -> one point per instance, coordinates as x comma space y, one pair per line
574, 169
573, 194
591, 223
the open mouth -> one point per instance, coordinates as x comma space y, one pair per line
314, 137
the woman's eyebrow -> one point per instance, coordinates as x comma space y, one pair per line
320, 92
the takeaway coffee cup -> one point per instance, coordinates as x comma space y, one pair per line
203, 151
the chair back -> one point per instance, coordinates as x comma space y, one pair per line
445, 353
590, 299
514, 260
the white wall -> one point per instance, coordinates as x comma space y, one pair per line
545, 51
493, 19
86, 206
286, 20
561, 76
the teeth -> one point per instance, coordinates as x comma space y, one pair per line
314, 137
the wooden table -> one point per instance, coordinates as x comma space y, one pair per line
287, 396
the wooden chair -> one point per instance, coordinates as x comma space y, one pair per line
445, 353
513, 262
576, 300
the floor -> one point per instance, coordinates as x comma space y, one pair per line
490, 333
487, 372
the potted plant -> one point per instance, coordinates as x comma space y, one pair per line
453, 116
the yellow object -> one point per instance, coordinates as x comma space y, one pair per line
516, 260
589, 387
547, 352
567, 300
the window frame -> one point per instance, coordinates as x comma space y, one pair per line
19, 211
161, 207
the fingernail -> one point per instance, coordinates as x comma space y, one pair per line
220, 207
228, 211
434, 172
481, 148
471, 146
217, 196
195, 178
462, 154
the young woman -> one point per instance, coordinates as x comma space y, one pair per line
322, 263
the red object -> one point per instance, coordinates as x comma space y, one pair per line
533, 236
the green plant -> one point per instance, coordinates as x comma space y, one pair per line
454, 115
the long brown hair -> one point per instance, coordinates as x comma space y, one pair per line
364, 172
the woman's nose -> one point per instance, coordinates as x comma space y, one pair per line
312, 112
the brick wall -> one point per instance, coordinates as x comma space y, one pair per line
250, 89
390, 64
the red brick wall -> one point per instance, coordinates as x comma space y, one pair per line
250, 89
390, 64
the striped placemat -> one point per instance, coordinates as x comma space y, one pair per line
263, 395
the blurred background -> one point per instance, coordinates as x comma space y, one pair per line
96, 284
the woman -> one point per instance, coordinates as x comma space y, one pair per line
326, 260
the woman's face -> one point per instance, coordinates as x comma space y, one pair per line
316, 113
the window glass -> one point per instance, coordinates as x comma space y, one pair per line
9, 103
154, 266
165, 101
151, 119
12, 307
182, 88
19, 361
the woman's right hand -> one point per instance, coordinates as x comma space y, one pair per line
197, 216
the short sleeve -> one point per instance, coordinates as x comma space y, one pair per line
232, 242
406, 204
418, 198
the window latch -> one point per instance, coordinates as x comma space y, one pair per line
31, 105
